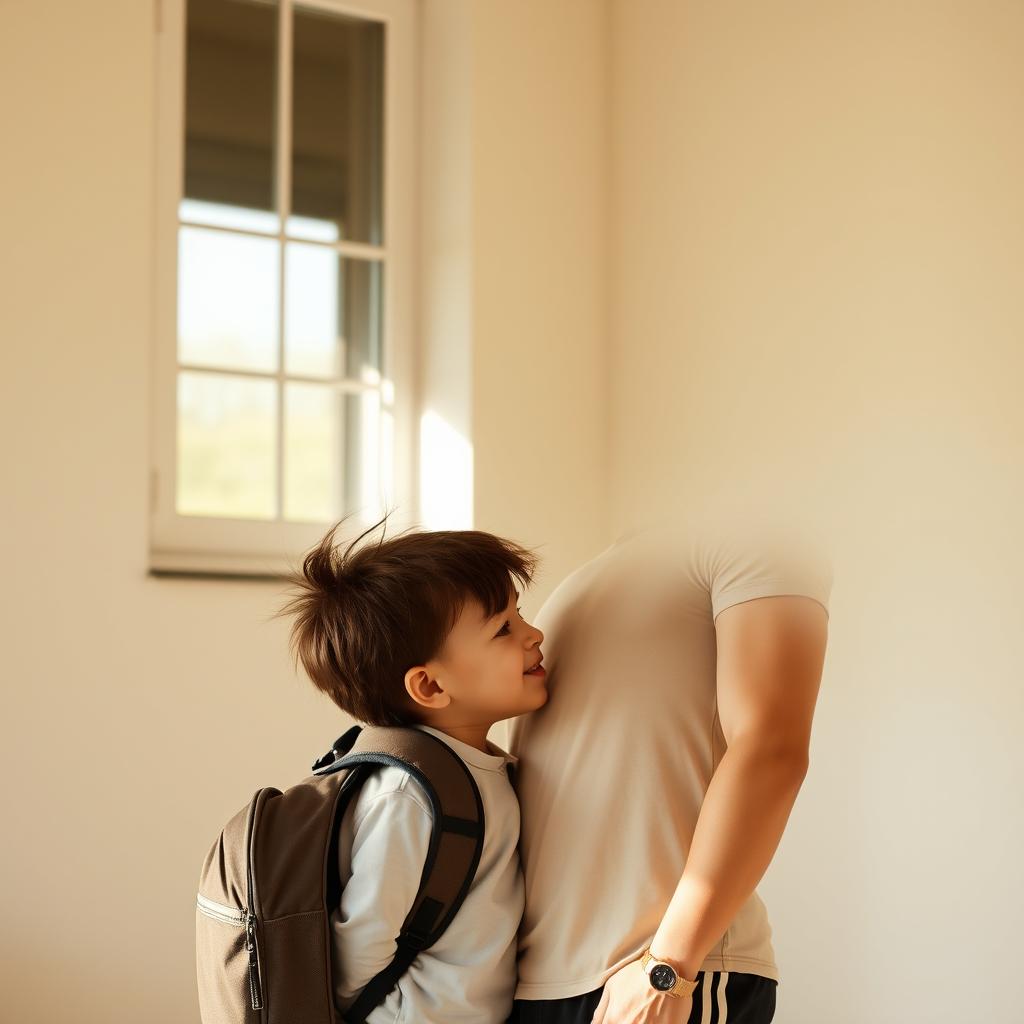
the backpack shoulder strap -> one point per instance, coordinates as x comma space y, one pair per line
456, 841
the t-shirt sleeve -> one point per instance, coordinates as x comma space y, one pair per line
766, 561
391, 827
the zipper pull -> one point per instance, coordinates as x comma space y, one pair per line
255, 982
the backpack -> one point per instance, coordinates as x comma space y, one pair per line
270, 882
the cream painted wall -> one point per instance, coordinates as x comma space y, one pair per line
446, 460
540, 288
817, 239
514, 292
141, 713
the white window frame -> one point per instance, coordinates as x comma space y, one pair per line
227, 546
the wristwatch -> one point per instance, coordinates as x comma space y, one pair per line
664, 977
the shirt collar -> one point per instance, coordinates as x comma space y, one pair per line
492, 762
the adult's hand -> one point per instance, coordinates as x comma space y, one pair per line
628, 998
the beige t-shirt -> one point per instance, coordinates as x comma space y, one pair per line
613, 769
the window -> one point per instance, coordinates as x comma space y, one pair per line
282, 376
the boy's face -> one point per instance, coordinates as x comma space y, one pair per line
484, 665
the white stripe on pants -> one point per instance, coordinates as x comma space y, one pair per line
709, 998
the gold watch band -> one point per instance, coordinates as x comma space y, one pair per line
682, 987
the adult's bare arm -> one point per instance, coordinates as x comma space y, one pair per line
770, 657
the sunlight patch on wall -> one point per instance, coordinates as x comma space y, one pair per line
446, 475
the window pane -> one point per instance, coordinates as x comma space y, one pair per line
231, 61
228, 308
218, 215
332, 453
337, 126
227, 462
332, 314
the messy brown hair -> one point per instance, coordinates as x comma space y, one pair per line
366, 615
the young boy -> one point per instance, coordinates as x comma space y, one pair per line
423, 630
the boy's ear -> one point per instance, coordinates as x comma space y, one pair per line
425, 690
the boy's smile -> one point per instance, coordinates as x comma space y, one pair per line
536, 670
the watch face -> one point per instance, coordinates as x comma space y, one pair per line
663, 977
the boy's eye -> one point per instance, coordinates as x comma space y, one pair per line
505, 628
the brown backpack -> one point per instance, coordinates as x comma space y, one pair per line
270, 882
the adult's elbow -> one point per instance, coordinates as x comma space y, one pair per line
790, 760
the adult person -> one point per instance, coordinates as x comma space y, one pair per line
684, 667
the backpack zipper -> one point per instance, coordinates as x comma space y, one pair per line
255, 980
243, 919
219, 912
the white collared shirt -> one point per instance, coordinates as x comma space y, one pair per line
469, 975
